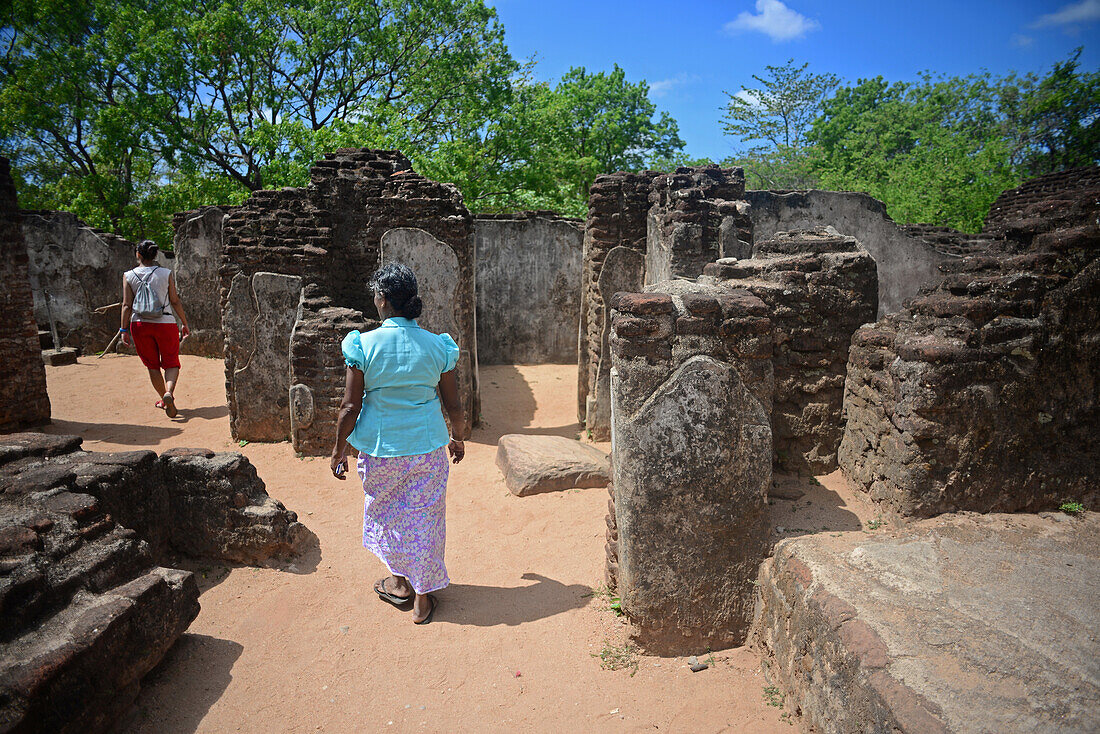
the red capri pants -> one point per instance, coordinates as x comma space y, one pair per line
158, 345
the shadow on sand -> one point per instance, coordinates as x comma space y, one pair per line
508, 406
129, 434
206, 664
488, 606
818, 509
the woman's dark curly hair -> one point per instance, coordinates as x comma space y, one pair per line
148, 250
397, 284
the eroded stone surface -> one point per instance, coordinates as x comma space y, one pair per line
528, 287
958, 624
23, 399
820, 287
692, 461
197, 243
537, 464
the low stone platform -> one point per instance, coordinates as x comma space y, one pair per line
537, 464
964, 623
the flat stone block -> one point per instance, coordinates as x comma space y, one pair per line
963, 623
58, 357
537, 464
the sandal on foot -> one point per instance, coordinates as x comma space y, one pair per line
170, 405
159, 405
380, 589
428, 619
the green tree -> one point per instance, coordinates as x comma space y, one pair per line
771, 122
1053, 122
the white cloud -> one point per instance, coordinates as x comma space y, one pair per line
662, 87
775, 20
1073, 14
747, 96
1021, 41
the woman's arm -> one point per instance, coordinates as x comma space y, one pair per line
127, 310
345, 423
452, 403
177, 305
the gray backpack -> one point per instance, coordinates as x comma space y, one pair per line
147, 304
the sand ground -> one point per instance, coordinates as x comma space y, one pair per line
520, 637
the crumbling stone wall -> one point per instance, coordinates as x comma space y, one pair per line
819, 287
697, 216
1060, 200
528, 287
23, 398
197, 243
904, 261
984, 395
82, 269
692, 460
614, 260
322, 243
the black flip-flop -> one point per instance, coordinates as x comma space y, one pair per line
170, 405
428, 619
397, 601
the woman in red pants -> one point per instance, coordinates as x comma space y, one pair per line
150, 305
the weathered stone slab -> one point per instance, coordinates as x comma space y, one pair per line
259, 313
198, 246
537, 464
528, 288
959, 624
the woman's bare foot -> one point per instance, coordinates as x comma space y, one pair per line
423, 608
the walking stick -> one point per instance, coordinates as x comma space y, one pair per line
112, 343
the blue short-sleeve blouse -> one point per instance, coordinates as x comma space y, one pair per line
401, 365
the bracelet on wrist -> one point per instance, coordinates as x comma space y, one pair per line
124, 331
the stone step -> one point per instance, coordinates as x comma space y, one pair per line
58, 357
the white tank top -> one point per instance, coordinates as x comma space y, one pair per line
159, 282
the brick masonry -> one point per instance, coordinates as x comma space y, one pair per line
23, 399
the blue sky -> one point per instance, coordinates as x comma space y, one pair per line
691, 52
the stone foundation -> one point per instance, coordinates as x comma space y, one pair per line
819, 287
23, 399
692, 461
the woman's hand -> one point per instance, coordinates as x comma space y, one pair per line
125, 336
339, 464
457, 450
184, 332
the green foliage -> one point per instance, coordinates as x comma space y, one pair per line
773, 696
933, 151
1071, 508
618, 657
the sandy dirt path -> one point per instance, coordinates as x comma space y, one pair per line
516, 642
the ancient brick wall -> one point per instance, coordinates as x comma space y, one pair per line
1055, 201
819, 287
985, 394
692, 461
528, 287
697, 216
23, 399
331, 237
197, 244
617, 208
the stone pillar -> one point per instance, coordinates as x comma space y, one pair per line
198, 246
697, 216
692, 461
820, 287
23, 399
617, 206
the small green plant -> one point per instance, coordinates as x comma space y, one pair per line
876, 523
773, 696
621, 657
786, 716
1071, 508
242, 443
709, 659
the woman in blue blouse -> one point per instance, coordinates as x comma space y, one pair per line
391, 414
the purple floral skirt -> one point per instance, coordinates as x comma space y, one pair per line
404, 515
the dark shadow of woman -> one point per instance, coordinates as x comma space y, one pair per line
488, 606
